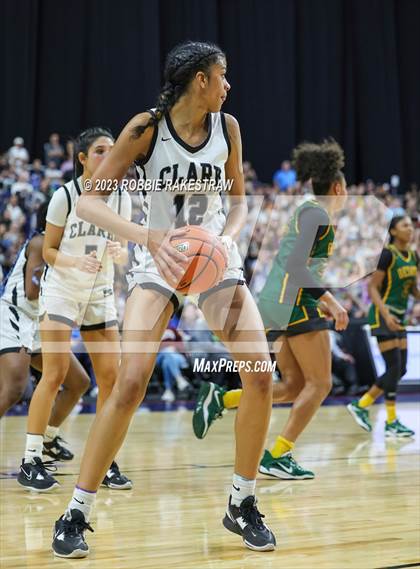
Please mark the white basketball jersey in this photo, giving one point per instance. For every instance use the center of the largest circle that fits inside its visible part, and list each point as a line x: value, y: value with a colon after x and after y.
x: 80, y: 238
x: 14, y: 291
x: 185, y: 182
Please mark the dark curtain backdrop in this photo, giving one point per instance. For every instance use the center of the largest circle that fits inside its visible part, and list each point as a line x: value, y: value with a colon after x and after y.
x: 299, y: 69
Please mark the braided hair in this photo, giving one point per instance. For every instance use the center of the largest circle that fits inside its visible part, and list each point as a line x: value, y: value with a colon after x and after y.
x: 41, y: 216
x: 321, y: 163
x: 83, y: 142
x: 182, y: 64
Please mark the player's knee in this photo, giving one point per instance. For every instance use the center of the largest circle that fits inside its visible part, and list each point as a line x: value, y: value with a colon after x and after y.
x: 14, y: 393
x: 78, y: 384
x: 292, y: 391
x: 131, y: 390
x: 326, y: 386
x: 262, y: 384
x: 107, y: 378
x: 54, y: 379
x: 321, y: 386
x: 83, y: 383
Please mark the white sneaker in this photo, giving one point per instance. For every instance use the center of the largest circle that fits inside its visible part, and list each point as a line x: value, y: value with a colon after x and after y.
x: 168, y: 396
x: 181, y: 383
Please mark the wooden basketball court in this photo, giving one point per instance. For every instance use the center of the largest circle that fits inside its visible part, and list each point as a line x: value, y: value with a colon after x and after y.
x: 361, y: 511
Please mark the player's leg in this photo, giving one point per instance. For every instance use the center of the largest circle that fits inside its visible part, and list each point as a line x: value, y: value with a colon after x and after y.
x: 75, y: 385
x: 146, y: 317
x: 55, y: 338
x: 213, y: 399
x: 105, y: 364
x: 309, y: 348
x: 279, y: 462
x: 241, y: 327
x: 389, y: 346
x: 393, y: 427
x: 14, y: 374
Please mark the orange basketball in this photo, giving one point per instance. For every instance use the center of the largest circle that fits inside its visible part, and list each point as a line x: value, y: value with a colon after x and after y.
x: 207, y: 259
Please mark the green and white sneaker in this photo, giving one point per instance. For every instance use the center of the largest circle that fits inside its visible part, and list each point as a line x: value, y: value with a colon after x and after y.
x: 360, y: 415
x: 398, y: 430
x: 209, y: 407
x: 285, y: 467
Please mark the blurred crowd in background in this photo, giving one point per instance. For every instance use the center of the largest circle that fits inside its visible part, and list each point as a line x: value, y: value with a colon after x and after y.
x: 26, y: 182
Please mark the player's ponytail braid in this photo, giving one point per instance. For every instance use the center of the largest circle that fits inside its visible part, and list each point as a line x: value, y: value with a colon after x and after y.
x: 181, y: 66
x: 82, y: 144
x: 320, y: 163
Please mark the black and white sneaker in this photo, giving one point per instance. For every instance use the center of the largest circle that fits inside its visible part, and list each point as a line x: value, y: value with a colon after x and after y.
x: 246, y: 521
x: 69, y: 538
x: 115, y: 480
x: 34, y: 476
x: 56, y: 450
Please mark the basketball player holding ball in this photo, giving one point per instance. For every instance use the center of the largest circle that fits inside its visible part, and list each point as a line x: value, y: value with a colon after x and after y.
x: 185, y: 137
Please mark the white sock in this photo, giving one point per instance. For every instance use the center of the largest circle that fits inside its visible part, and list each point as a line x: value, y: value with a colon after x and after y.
x: 82, y: 500
x: 51, y: 432
x: 241, y: 489
x: 34, y: 444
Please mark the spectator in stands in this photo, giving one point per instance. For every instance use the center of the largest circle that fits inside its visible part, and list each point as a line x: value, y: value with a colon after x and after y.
x: 53, y: 173
x: 285, y: 178
x: 67, y: 165
x: 18, y: 156
x: 414, y: 319
x: 53, y: 151
x: 14, y: 213
x: 36, y: 174
x: 172, y: 362
x: 22, y: 185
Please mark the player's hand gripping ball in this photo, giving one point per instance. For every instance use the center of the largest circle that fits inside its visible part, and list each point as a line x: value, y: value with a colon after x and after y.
x: 207, y: 259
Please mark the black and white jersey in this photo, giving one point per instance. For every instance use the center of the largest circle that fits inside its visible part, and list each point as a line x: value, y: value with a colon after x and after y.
x: 80, y: 238
x: 14, y: 290
x: 183, y: 184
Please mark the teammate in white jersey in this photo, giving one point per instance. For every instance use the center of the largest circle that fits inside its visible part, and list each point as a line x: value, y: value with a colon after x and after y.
x: 20, y: 345
x: 76, y: 290
x: 186, y: 137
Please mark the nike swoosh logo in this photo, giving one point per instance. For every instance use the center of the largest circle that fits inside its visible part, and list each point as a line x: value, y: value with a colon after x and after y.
x: 59, y: 535
x: 288, y: 469
x: 28, y: 476
x: 165, y: 139
x: 78, y: 501
x: 237, y: 489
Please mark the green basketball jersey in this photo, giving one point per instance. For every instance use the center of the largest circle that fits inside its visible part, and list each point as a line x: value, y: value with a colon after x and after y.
x: 399, y: 280
x: 278, y: 287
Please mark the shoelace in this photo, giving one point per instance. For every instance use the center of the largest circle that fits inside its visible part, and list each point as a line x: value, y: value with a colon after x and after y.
x: 60, y: 440
x: 250, y: 513
x: 294, y: 463
x: 76, y: 527
x: 45, y: 466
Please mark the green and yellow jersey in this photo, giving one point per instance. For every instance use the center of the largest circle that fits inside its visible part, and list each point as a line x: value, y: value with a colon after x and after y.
x: 290, y: 294
x: 400, y: 269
